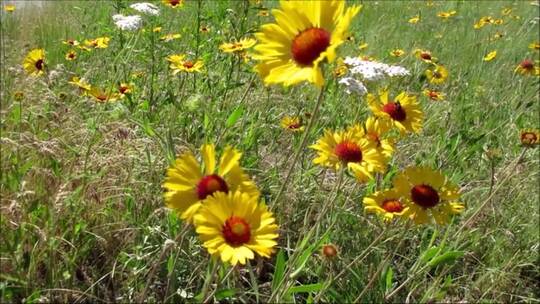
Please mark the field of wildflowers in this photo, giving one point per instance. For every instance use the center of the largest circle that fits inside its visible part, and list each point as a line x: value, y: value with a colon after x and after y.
x: 270, y: 151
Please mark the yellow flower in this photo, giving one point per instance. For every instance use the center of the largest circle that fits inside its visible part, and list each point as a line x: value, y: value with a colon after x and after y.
x: 427, y: 194
x: 498, y: 35
x: 70, y: 42
x: 204, y: 29
x: 305, y: 35
x: 535, y: 46
x: 351, y: 149
x: 187, y: 66
x: 157, y: 29
x: 341, y: 68
x: 18, y: 95
x: 239, y: 46
x: 71, y: 55
x: 173, y: 3
x: 530, y: 137
x: 527, y: 67
x: 415, y: 19
x: 125, y: 89
x: 404, y: 112
x: 434, y: 95
x: 83, y: 86
x: 490, y: 56
x: 446, y: 15
x: 98, y: 43
x: 263, y: 13
x: 425, y: 56
x: 9, y: 8
x: 292, y: 123
x: 506, y: 11
x: 397, y: 52
x: 188, y: 185
x: 437, y: 75
x: 376, y: 130
x: 169, y: 37
x: 479, y: 24
x: 234, y: 226
x: 34, y: 62
x: 387, y: 204
x: 102, y: 96
x: 498, y: 21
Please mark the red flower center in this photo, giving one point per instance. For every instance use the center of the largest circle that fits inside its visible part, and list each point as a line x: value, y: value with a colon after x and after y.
x: 210, y: 184
x: 348, y: 152
x: 392, y: 206
x: 123, y: 89
x: 425, y: 56
x: 236, y: 231
x: 188, y: 64
x: 527, y: 64
x: 395, y: 110
x: 295, y: 126
x: 71, y: 55
x: 425, y: 196
x: 329, y: 251
x: 433, y: 95
x: 101, y: 97
x: 528, y: 138
x: 309, y: 44
x: 39, y: 64
x: 174, y: 2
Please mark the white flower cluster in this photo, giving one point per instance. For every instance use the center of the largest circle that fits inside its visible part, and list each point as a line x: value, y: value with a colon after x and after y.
x: 127, y: 23
x: 145, y: 8
x: 369, y: 71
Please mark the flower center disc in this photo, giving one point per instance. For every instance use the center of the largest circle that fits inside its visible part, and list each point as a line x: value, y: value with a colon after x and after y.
x: 395, y: 110
x: 527, y: 64
x: 392, y: 206
x: 425, y: 56
x: 425, y: 196
x: 528, y: 137
x: 348, y: 152
x: 210, y: 184
x: 39, y: 64
x: 188, y: 64
x: 174, y: 2
x: 236, y: 231
x: 309, y: 44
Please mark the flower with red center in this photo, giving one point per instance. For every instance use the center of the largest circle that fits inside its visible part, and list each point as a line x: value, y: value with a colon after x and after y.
x: 173, y: 3
x: 98, y: 43
x: 178, y: 63
x: 71, y: 55
x: 235, y: 226
x: 350, y: 149
x: 404, y: 111
x: 243, y: 44
x: 329, y: 251
x: 125, y: 89
x: 71, y: 42
x: 102, y: 96
x: 528, y: 67
x: 438, y: 75
x: 306, y: 34
x: 427, y: 194
x: 529, y: 137
x: 434, y: 95
x: 397, y: 52
x: 292, y: 123
x: 34, y: 62
x: 425, y: 56
x: 387, y: 204
x: 188, y: 186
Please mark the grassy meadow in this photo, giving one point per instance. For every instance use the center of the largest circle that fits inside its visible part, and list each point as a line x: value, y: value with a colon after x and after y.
x: 83, y: 213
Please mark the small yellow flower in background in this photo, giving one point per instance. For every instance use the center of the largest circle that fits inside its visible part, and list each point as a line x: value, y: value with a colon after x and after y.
x: 103, y: 96
x: 527, y: 67
x: 404, y: 111
x: 414, y: 20
x: 71, y: 55
x: 292, y: 52
x: 263, y: 13
x: 234, y: 226
x: 169, y: 37
x: 341, y: 68
x: 446, y: 15
x: 506, y: 11
x: 70, y: 42
x: 157, y: 29
x: 350, y: 149
x: 498, y: 21
x: 98, y: 43
x: 10, y: 8
x: 84, y: 87
x: 498, y: 35
x: 189, y: 183
x: 125, y: 89
x: 363, y: 46
x: 428, y: 195
x: 434, y: 95
x: 438, y: 75
x: 535, y: 46
x: 490, y: 56
x: 424, y: 55
x: 243, y: 44
x: 329, y: 251
x: 18, y: 95
x: 529, y: 137
x: 204, y: 29
x: 397, y: 52
x: 387, y: 204
x: 34, y: 62
x: 292, y: 123
x: 173, y: 3
x: 187, y: 66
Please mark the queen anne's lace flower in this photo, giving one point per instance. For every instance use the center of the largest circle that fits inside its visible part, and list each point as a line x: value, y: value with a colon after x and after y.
x: 373, y: 70
x: 146, y: 8
x: 127, y: 23
x: 353, y: 85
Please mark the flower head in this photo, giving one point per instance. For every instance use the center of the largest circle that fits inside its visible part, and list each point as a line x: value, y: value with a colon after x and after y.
x: 127, y: 23
x: 404, y: 111
x: 125, y: 89
x: 446, y: 15
x: 71, y: 55
x: 351, y: 149
x: 353, y: 85
x: 98, y: 43
x: 376, y: 131
x: 145, y: 8
x: 34, y: 62
x: 188, y: 183
x: 173, y: 3
x: 530, y: 137
x: 292, y: 123
x: 427, y: 195
x: 10, y: 8
x: 71, y: 42
x: 425, y: 56
x: 84, y: 87
x: 243, y: 44
x: 387, y: 204
x: 434, y: 95
x: 397, y: 52
x: 306, y: 34
x: 372, y: 70
x: 414, y: 20
x: 102, y: 96
x: 535, y: 46
x: 438, y: 75
x: 235, y: 226
x: 527, y: 67
x: 329, y: 251
x: 169, y: 37
x: 178, y: 63
x: 490, y: 56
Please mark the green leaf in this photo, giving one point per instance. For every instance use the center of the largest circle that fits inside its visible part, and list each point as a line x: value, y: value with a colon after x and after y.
x: 447, y: 257
x: 429, y: 254
x: 388, y: 278
x: 305, y: 288
x: 279, y: 270
x: 224, y: 293
x: 235, y: 116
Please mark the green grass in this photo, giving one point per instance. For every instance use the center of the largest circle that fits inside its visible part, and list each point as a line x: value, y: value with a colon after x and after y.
x: 83, y: 217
